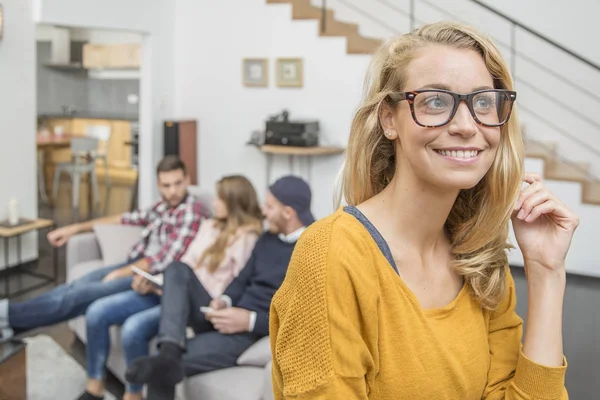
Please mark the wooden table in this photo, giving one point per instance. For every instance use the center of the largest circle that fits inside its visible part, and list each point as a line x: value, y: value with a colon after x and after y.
x: 47, y: 143
x: 295, y: 151
x: 13, y: 370
x: 8, y: 232
x: 53, y: 141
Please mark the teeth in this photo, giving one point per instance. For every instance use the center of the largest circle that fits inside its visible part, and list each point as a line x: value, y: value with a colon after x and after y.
x: 459, y: 154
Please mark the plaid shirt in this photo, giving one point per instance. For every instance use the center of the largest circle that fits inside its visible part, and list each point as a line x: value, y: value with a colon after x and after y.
x: 176, y: 228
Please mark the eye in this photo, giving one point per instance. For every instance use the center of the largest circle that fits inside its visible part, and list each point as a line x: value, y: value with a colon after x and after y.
x: 484, y: 102
x: 435, y: 101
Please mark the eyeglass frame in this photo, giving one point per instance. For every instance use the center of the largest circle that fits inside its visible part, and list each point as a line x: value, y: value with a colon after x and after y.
x: 458, y: 98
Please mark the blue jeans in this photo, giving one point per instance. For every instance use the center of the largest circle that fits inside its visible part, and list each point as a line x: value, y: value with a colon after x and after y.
x: 66, y: 301
x: 140, y: 317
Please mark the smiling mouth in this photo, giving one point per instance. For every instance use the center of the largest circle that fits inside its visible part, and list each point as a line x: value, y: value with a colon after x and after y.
x: 460, y: 154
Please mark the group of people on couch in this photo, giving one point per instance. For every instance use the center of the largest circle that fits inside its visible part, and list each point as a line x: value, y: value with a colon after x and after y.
x: 219, y: 272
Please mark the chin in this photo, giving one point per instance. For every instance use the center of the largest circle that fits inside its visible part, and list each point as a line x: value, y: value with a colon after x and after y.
x: 458, y: 180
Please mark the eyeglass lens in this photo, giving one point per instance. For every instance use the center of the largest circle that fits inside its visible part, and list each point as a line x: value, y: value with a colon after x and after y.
x: 435, y: 108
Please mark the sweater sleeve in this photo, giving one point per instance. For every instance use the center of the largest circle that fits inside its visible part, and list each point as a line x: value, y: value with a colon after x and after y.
x: 512, y: 376
x: 324, y: 321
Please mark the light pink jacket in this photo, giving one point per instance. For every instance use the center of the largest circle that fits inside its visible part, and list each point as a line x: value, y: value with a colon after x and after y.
x: 237, y: 253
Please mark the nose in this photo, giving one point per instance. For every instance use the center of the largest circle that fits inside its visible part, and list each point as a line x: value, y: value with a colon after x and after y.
x: 463, y: 122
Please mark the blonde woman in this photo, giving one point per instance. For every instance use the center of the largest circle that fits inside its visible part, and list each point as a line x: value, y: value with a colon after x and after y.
x: 217, y: 254
x: 405, y: 293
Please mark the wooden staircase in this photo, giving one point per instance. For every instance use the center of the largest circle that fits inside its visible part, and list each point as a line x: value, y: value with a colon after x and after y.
x: 355, y: 43
x: 559, y: 170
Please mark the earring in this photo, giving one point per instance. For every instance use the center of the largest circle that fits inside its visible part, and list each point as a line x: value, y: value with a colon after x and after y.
x: 388, y: 134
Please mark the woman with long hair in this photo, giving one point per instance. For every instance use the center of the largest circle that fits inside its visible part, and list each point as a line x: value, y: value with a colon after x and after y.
x: 217, y: 254
x: 405, y: 292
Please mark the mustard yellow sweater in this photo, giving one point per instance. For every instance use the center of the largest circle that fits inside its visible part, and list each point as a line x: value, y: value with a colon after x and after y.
x: 344, y: 326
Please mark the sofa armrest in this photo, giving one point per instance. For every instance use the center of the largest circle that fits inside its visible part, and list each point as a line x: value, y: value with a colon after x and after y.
x: 82, y: 247
x: 257, y: 355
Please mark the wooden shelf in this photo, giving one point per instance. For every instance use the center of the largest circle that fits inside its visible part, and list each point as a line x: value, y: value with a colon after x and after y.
x: 301, y: 151
x: 17, y: 230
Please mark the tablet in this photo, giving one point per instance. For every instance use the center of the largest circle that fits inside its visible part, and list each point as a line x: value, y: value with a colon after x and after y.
x: 156, y: 279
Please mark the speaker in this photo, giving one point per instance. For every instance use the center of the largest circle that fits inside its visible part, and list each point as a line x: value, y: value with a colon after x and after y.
x: 180, y: 140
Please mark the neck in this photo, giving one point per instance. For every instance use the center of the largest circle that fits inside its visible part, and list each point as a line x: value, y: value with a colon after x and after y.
x: 412, y: 213
x: 292, y: 226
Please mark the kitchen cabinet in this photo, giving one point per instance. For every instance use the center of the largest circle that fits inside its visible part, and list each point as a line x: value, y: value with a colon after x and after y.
x: 100, y: 56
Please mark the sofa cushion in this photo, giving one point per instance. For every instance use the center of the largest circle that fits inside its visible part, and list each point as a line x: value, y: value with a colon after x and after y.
x: 257, y: 355
x: 227, y: 384
x: 83, y: 268
x: 116, y: 241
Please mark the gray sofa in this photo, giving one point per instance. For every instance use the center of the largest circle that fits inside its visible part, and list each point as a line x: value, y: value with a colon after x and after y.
x: 249, y: 380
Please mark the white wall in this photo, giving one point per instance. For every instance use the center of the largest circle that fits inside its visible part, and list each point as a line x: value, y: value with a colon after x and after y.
x: 566, y: 22
x: 156, y: 84
x: 17, y: 118
x: 210, y: 43
x: 563, y: 22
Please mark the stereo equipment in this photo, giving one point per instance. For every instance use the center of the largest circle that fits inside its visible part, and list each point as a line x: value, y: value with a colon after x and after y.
x: 282, y: 131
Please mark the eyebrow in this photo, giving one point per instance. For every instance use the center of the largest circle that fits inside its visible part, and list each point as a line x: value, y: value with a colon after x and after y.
x: 446, y: 87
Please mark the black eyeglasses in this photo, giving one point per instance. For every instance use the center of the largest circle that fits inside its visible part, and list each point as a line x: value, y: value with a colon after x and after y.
x: 431, y: 108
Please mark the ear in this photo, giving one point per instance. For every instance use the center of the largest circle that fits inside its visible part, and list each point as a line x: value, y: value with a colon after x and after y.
x: 387, y: 120
x: 288, y: 213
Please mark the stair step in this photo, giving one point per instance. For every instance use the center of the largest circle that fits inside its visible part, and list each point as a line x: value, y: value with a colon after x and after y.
x: 558, y: 170
x: 334, y: 27
x: 544, y: 150
x: 361, y: 45
x: 591, y: 192
x: 356, y: 44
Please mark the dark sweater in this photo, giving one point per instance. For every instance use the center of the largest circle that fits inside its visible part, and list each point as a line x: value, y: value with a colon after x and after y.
x: 262, y: 276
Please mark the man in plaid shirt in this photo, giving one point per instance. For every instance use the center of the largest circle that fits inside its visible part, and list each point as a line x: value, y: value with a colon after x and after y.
x: 170, y: 225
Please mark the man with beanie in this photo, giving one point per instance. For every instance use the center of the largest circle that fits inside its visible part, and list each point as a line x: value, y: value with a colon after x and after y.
x: 239, y: 317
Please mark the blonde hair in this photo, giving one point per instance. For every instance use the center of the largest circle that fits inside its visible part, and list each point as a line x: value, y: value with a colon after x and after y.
x: 478, y: 221
x: 243, y: 212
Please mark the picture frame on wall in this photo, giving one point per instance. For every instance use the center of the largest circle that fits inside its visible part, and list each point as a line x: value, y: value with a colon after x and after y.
x: 290, y: 72
x: 255, y: 72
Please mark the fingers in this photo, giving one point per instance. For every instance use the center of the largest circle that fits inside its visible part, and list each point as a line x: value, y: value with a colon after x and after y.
x: 529, y: 191
x: 222, y: 328
x: 559, y: 213
x: 533, y: 200
x: 223, y: 325
x: 532, y: 177
x: 146, y: 286
x: 217, y: 304
x: 546, y: 207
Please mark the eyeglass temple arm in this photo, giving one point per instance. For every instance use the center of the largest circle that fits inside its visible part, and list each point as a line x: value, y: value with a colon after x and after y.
x: 396, y: 97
